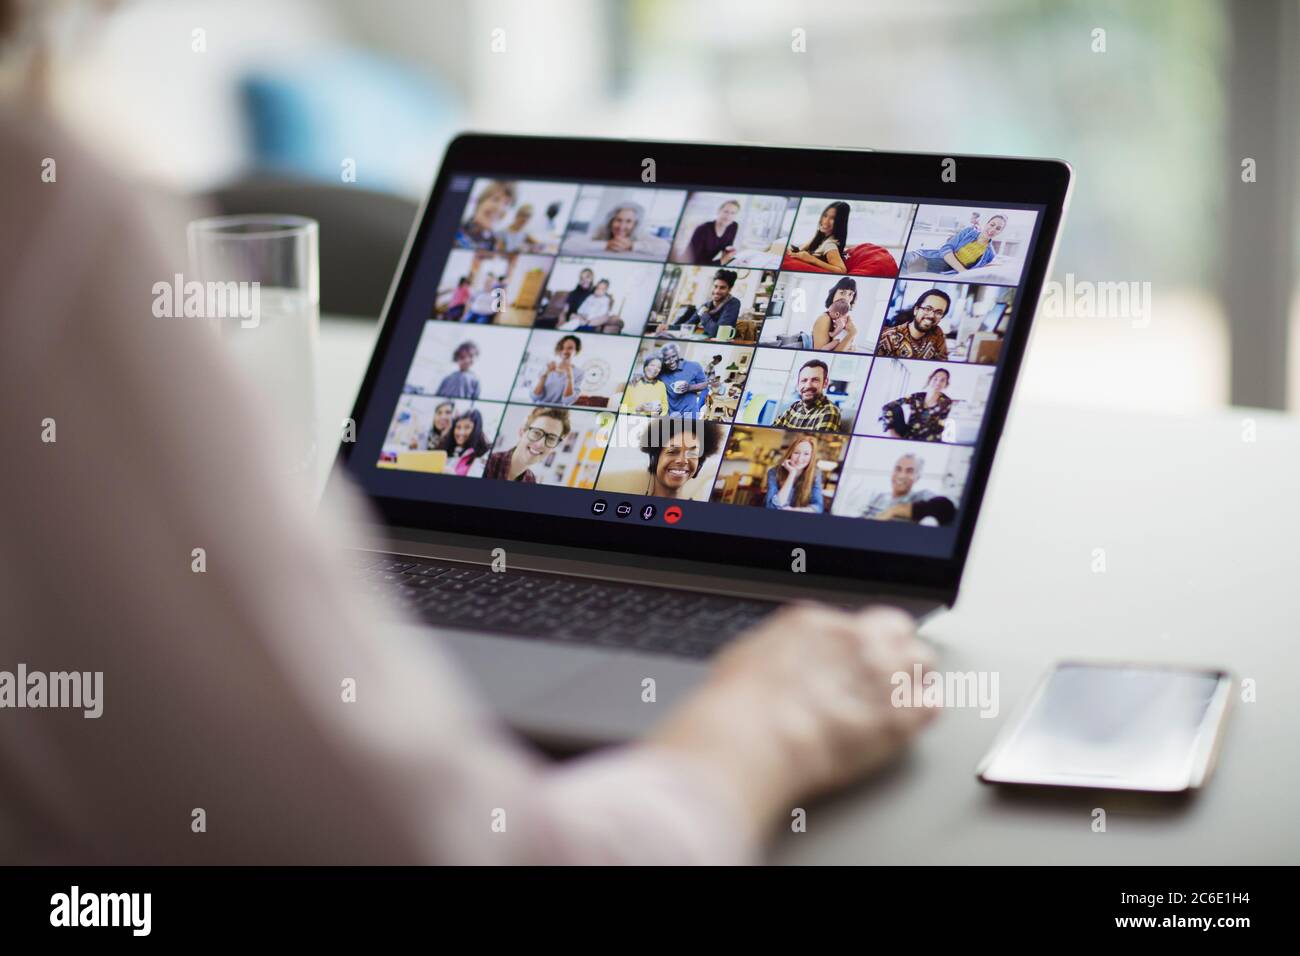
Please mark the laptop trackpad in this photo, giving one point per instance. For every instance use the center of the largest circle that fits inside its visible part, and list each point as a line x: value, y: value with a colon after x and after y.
x: 627, y: 695
x: 511, y: 673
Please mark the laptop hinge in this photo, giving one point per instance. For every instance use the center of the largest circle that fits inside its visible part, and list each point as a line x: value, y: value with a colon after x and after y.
x: 661, y: 572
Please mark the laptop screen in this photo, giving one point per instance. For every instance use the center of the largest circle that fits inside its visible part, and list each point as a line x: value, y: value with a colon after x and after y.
x: 788, y: 366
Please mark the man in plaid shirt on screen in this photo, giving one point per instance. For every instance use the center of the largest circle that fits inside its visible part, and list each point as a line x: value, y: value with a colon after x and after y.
x: 813, y: 411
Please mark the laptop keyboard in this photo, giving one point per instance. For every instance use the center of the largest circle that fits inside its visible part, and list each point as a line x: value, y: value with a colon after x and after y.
x: 555, y: 607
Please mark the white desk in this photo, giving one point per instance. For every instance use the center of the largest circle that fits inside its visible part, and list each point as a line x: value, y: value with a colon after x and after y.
x: 1200, y: 531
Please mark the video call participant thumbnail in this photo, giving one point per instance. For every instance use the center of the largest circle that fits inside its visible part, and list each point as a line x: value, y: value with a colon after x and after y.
x: 466, y: 444
x: 486, y: 215
x: 918, y: 334
x: 646, y: 393
x: 577, y: 369
x: 462, y: 383
x: 629, y: 223
x: 904, y: 501
x: 920, y: 416
x: 451, y: 361
x: 828, y: 246
x: 968, y: 248
x: 558, y: 383
x: 909, y: 482
x: 540, y: 434
x: 516, y: 216
x: 686, y: 382
x: 715, y: 241
x: 419, y: 424
x: 833, y: 330
x: 737, y: 230
x: 812, y: 410
x: 795, y: 483
x: 671, y: 458
x: 573, y: 300
x: 595, y: 311
x: 780, y: 470
x: 621, y: 232
x: 826, y: 313
x: 721, y: 309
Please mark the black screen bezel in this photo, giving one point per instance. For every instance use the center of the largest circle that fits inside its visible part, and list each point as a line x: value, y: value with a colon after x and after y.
x: 796, y: 171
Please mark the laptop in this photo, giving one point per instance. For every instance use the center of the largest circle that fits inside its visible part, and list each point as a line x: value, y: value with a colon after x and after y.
x: 585, y: 508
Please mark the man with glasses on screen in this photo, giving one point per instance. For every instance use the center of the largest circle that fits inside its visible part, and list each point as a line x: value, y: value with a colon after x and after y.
x: 920, y: 337
x: 542, y: 432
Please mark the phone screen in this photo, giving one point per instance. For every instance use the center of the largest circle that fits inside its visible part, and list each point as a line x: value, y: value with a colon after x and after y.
x: 1120, y: 727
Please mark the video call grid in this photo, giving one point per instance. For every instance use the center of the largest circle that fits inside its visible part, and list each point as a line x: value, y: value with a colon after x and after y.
x: 845, y: 437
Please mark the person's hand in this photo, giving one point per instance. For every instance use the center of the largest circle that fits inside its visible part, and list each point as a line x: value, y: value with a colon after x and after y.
x: 550, y: 367
x: 679, y: 387
x: 895, y: 512
x: 791, y: 469
x: 802, y: 704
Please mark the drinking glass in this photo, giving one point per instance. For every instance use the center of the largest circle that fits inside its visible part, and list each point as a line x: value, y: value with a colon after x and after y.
x: 262, y: 274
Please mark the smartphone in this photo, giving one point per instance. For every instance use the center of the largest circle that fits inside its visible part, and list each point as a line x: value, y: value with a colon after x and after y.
x: 1114, y: 726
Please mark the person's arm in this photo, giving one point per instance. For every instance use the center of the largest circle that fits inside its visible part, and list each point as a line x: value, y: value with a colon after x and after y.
x: 730, y: 314
x: 228, y: 691
x: 661, y: 395
x: 834, y: 261
x: 847, y: 336
x: 699, y: 244
x: 257, y: 691
x: 637, y: 399
x: 807, y: 257
x: 728, y: 250
x: 948, y: 251
x: 821, y: 332
x: 816, y: 498
x: 654, y: 246
x: 570, y: 394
